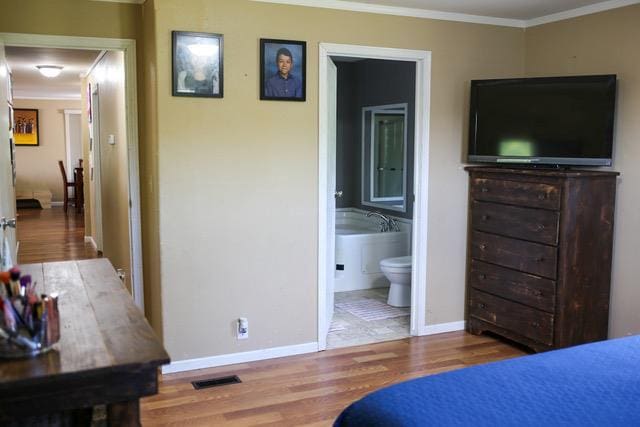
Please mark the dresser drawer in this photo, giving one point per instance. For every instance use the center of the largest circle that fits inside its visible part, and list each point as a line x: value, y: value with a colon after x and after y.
x: 513, y: 285
x: 537, y: 225
x: 521, y: 193
x: 529, y: 322
x: 528, y: 257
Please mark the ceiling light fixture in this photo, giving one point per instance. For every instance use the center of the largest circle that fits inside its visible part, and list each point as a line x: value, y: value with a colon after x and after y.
x: 49, y: 70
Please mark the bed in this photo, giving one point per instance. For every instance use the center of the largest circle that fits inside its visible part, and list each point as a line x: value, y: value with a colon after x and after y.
x: 594, y: 384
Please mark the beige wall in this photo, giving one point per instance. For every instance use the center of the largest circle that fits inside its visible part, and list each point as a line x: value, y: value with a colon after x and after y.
x: 70, y: 17
x: 37, y: 167
x: 108, y: 77
x: 238, y: 177
x: 606, y: 43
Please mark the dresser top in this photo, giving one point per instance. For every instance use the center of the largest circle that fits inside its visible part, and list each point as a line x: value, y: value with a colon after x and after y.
x: 561, y: 173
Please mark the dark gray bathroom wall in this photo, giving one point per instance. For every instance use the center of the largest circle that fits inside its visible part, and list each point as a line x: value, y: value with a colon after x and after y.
x: 364, y: 84
x: 347, y: 143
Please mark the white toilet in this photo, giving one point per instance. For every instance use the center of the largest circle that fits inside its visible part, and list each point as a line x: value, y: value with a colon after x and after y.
x: 398, y: 271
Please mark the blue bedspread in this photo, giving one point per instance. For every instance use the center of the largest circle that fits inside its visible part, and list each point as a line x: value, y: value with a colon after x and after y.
x: 589, y: 385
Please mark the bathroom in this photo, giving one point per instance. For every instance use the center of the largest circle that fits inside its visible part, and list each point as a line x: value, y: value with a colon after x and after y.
x: 374, y: 203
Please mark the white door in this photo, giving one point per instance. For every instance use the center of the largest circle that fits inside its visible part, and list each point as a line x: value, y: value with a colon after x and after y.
x: 94, y: 166
x: 332, y: 86
x: 7, y: 192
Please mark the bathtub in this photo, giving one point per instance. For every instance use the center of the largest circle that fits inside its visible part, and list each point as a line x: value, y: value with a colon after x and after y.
x: 360, y: 246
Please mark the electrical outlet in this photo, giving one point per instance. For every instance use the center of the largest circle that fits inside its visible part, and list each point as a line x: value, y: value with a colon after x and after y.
x: 243, y: 328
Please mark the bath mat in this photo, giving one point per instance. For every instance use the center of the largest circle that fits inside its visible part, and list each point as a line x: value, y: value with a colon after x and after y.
x: 370, y: 309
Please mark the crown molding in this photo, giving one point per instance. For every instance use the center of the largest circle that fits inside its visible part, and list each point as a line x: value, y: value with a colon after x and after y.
x: 457, y: 17
x: 401, y: 11
x: 48, y: 98
x: 123, y: 1
x: 581, y: 11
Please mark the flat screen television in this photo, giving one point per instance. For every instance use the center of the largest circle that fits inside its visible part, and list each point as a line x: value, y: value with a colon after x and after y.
x: 547, y: 121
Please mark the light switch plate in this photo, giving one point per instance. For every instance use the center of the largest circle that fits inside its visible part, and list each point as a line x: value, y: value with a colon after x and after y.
x: 112, y: 139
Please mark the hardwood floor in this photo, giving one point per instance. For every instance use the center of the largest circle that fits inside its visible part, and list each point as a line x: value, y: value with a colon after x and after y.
x: 51, y: 235
x: 312, y: 389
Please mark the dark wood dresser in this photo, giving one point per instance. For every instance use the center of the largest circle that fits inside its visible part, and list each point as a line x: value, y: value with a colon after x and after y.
x: 539, y: 259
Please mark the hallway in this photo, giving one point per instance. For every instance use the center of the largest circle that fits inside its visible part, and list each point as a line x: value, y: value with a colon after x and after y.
x: 51, y: 235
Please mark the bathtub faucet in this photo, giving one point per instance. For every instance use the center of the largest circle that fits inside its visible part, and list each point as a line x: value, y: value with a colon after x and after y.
x: 386, y: 223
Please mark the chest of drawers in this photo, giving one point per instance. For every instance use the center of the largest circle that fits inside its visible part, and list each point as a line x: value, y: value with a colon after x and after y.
x: 539, y: 258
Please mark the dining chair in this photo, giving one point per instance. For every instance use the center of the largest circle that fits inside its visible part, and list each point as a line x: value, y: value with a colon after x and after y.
x: 65, y: 185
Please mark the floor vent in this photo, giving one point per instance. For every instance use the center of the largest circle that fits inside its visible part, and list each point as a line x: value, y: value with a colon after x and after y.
x: 215, y: 382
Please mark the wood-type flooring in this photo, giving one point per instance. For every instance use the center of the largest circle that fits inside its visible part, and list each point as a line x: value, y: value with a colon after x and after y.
x: 51, y: 235
x: 312, y: 389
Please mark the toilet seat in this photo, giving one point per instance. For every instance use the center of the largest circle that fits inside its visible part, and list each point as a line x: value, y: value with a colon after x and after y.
x: 399, y: 262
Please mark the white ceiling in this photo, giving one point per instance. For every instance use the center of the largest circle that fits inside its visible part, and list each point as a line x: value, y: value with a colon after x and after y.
x: 513, y: 13
x: 28, y: 83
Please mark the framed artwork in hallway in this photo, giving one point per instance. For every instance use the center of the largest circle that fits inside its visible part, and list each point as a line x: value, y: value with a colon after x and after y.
x: 25, y: 127
x: 283, y: 70
x: 197, y: 64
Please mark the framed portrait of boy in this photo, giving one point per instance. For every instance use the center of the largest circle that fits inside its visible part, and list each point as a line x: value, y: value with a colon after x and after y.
x: 197, y: 64
x: 283, y: 70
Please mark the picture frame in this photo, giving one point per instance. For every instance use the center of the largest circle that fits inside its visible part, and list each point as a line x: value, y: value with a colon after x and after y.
x: 283, y: 70
x: 26, y: 127
x: 197, y: 64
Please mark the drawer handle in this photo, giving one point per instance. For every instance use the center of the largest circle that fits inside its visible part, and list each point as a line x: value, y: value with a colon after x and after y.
x: 542, y: 196
x: 482, y: 246
x: 481, y: 305
x: 540, y: 227
x: 482, y: 276
x: 540, y: 259
x: 537, y: 293
x: 535, y: 324
x: 484, y: 189
x: 485, y: 217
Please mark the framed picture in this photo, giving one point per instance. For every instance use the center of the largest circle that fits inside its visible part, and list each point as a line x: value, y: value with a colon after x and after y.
x: 25, y: 127
x: 283, y: 70
x: 197, y: 64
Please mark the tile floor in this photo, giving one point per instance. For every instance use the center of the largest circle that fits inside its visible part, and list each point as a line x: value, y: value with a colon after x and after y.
x: 349, y: 330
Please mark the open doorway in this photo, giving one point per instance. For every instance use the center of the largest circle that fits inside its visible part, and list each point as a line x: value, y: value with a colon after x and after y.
x: 46, y: 87
x: 394, y: 192
x: 113, y: 71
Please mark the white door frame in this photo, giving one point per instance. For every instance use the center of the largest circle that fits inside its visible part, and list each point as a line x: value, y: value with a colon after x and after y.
x: 67, y: 140
x: 422, y: 60
x: 95, y: 165
x: 128, y: 47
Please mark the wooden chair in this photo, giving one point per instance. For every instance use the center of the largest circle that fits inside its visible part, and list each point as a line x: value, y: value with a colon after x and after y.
x: 65, y: 185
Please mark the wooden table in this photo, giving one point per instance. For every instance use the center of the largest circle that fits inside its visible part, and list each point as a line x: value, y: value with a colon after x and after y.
x: 107, y: 354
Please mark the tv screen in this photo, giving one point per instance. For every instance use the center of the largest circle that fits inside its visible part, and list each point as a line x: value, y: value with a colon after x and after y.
x: 549, y: 120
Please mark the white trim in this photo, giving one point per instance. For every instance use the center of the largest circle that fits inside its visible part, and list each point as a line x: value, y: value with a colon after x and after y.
x: 48, y: 98
x: 95, y: 165
x: 128, y: 46
x: 441, y: 328
x: 233, y: 358
x: 402, y: 11
x: 123, y: 1
x: 456, y: 17
x: 421, y: 172
x: 57, y: 203
x: 67, y: 141
x: 89, y: 239
x: 94, y: 64
x: 581, y: 11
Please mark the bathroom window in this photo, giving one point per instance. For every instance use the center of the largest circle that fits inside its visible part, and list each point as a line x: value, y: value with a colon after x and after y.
x: 384, y: 156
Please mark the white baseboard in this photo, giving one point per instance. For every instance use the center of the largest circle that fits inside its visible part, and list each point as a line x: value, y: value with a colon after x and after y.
x: 57, y: 203
x: 233, y: 358
x: 89, y: 239
x: 441, y: 328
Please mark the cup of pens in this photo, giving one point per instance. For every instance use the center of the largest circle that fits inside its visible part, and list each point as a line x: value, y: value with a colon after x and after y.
x: 29, y: 322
